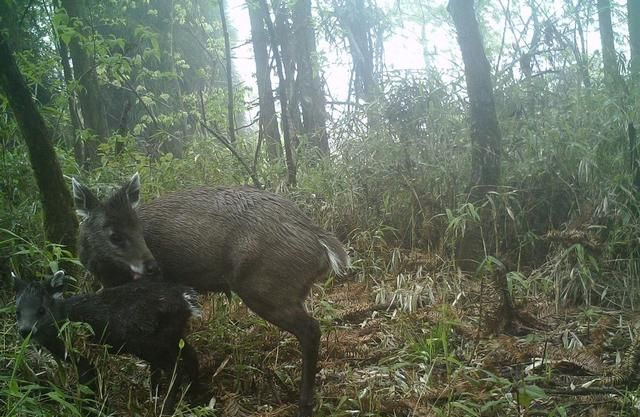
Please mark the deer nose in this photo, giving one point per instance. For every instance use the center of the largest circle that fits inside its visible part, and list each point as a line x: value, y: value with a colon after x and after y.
x: 24, y: 332
x: 151, y: 268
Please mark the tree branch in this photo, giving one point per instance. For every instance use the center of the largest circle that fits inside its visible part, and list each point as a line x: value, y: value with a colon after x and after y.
x: 252, y: 172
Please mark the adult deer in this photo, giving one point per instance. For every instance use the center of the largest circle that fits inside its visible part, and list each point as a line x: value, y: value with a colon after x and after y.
x: 254, y: 243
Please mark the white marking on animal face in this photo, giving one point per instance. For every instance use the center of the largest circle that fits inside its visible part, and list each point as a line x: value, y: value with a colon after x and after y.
x: 137, y: 270
x: 192, y: 300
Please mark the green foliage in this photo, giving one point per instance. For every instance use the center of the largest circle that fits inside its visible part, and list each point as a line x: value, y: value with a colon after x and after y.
x: 400, y: 186
x: 434, y: 346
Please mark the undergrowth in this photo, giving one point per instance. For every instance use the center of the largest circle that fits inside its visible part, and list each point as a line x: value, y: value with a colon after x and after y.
x: 405, y: 333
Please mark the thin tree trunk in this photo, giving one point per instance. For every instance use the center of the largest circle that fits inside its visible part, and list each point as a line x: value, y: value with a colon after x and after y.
x: 60, y: 223
x: 91, y: 104
x: 286, y: 43
x: 485, y: 137
x: 227, y: 52
x: 266, y: 102
x: 581, y: 53
x: 633, y: 22
x: 288, y: 145
x: 485, y: 132
x: 308, y: 82
x: 175, y: 145
x: 613, y: 80
x: 609, y: 57
x: 358, y: 27
x: 78, y: 146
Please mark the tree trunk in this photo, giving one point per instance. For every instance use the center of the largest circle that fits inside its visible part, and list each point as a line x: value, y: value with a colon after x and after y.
x: 174, y: 142
x: 485, y: 137
x: 580, y: 51
x: 91, y: 104
x: 356, y: 22
x: 16, y: 18
x: 612, y: 78
x: 267, y: 118
x: 633, y: 22
x: 285, y: 43
x: 78, y: 146
x: 308, y: 82
x: 357, y: 26
x: 609, y: 57
x: 60, y: 224
x: 289, y: 150
x: 227, y: 52
x: 485, y: 132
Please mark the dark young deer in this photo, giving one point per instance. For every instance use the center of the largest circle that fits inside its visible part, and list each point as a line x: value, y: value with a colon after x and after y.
x: 252, y: 242
x: 144, y: 318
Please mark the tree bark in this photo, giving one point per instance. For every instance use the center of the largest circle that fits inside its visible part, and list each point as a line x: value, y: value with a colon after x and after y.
x: 227, y: 52
x: 633, y: 22
x: 284, y: 42
x: 609, y: 57
x: 174, y: 142
x: 77, y: 145
x: 284, y: 99
x: 356, y: 21
x: 613, y: 80
x: 84, y: 70
x: 60, y: 223
x: 485, y: 136
x: 308, y: 82
x: 268, y: 119
x: 485, y: 132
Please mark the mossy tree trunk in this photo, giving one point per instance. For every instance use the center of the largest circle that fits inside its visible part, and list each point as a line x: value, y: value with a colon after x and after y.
x: 60, y: 223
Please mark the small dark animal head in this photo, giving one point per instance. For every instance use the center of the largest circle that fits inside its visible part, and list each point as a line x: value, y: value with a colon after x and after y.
x: 36, y: 307
x: 111, y: 233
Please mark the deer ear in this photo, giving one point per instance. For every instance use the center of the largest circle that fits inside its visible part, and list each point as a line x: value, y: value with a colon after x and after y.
x: 18, y: 283
x: 56, y: 284
x: 84, y: 199
x: 133, y: 190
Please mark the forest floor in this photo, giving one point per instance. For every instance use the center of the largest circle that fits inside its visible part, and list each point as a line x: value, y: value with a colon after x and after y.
x: 381, y: 360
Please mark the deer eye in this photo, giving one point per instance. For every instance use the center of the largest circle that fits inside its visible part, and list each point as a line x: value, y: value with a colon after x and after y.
x: 41, y: 311
x: 116, y: 238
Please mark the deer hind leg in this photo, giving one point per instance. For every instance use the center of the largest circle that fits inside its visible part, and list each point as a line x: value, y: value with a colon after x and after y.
x: 290, y: 315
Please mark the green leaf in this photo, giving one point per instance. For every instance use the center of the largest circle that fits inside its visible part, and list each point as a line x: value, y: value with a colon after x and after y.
x: 529, y: 393
x: 65, y: 36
